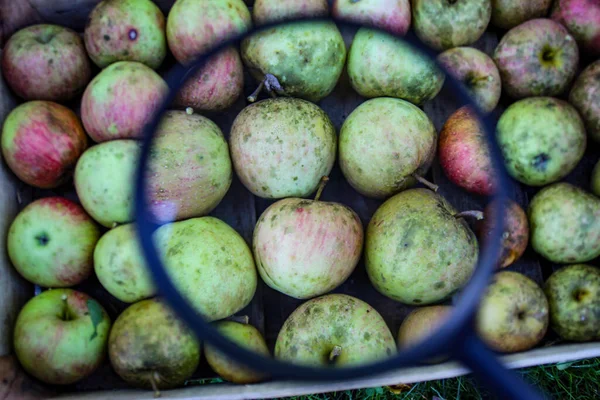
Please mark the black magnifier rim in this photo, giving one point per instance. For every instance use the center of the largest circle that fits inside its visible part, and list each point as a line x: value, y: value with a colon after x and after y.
x: 443, y: 341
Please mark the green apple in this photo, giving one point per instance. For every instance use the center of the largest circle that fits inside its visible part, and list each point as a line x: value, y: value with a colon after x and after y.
x: 245, y: 335
x: 104, y: 181
x: 513, y: 314
x: 149, y: 347
x: 51, y: 242
x: 334, y: 330
x: 574, y: 296
x: 60, y: 336
x: 121, y: 267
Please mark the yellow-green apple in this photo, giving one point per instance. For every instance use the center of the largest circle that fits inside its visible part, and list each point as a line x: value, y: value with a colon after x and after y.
x: 104, y: 181
x: 51, y: 242
x: 271, y: 11
x: 393, y: 16
x: 585, y: 97
x: 41, y: 143
x: 536, y: 58
x: 420, y: 324
x: 60, y: 336
x: 282, y: 147
x: 46, y: 62
x: 513, y: 314
x: 385, y: 146
x: 306, y: 248
x: 126, y: 30
x: 573, y: 293
x: 507, y: 14
x: 246, y: 336
x: 443, y: 24
x: 150, y: 347
x: 582, y: 19
x: 334, y: 330
x: 477, y: 71
x: 121, y: 100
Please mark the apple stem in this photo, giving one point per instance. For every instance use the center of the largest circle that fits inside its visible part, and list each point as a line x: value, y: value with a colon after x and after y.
x: 335, y: 353
x: 244, y: 319
x: 270, y: 83
x: 322, y: 184
x: 254, y: 95
x: 478, y: 215
x: 425, y: 182
x: 153, y: 378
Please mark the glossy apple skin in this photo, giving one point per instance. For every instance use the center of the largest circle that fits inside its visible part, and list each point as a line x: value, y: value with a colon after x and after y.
x: 585, y: 97
x: 126, y: 30
x: 46, y: 62
x: 51, y: 242
x: 306, y: 248
x: 394, y: 16
x: 537, y: 58
x: 515, y: 235
x: 464, y: 153
x: 477, y: 71
x: 121, y: 100
x: 55, y: 339
x: 513, y: 315
x: 443, y: 24
x: 246, y: 336
x: 271, y: 11
x: 311, y: 332
x: 574, y: 296
x: 41, y: 143
x: 507, y: 14
x: 582, y: 19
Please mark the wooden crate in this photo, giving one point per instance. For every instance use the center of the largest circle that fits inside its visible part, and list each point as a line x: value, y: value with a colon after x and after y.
x: 240, y: 209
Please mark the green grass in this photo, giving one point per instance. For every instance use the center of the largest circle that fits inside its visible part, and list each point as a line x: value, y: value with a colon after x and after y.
x: 569, y: 381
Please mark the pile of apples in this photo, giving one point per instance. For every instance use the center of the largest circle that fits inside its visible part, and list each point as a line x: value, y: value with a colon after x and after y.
x: 418, y: 249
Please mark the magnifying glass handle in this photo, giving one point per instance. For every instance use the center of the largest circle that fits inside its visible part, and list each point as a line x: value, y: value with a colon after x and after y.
x: 486, y: 368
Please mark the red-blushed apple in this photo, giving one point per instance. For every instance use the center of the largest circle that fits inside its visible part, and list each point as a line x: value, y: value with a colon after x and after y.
x: 216, y: 86
x: 190, y: 169
x: 126, y: 30
x: 420, y: 324
x: 536, y: 58
x: 246, y: 336
x: 394, y: 16
x: 121, y: 100
x: 335, y: 330
x: 464, y: 153
x: 41, y: 143
x: 513, y: 313
x: 515, y: 235
x: 507, y: 14
x: 104, y: 181
x: 585, y: 97
x: 596, y: 180
x: 193, y: 27
x: 573, y: 294
x: 270, y: 11
x: 443, y: 24
x: 582, y: 19
x: 150, y: 347
x: 61, y: 335
x: 306, y: 248
x: 46, y: 62
x: 477, y: 71
x: 51, y: 242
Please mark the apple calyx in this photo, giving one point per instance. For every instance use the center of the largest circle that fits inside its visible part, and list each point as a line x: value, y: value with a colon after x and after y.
x: 334, y: 354
x: 322, y: 184
x: 154, y: 377
x: 425, y: 182
x: 477, y: 215
x: 271, y: 84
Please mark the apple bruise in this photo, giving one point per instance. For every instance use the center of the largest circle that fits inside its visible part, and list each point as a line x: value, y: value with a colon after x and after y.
x: 56, y: 71
x: 336, y: 330
x: 513, y: 314
x: 537, y: 58
x: 41, y: 142
x: 126, y: 30
x: 120, y: 100
x: 574, y: 303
